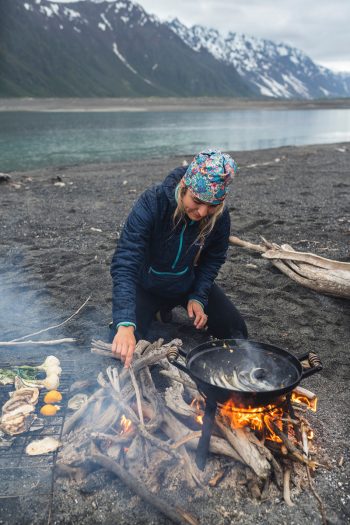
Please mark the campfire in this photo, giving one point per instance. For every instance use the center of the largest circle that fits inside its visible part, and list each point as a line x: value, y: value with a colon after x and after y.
x: 262, y: 419
x: 148, y: 433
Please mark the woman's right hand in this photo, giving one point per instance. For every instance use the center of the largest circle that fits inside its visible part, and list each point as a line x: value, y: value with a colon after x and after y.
x: 124, y: 344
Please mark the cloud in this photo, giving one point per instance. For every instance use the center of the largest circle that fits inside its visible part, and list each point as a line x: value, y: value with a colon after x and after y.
x: 318, y: 27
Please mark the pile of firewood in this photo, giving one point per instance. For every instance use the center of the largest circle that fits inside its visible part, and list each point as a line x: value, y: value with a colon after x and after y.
x: 146, y: 434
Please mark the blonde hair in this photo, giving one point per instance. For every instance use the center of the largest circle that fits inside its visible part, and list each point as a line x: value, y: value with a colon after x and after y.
x: 206, y: 224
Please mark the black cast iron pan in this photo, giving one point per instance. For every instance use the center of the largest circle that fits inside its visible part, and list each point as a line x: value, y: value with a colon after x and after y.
x: 281, y: 369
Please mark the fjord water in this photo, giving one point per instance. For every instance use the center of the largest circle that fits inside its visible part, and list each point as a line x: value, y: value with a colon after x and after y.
x: 30, y: 140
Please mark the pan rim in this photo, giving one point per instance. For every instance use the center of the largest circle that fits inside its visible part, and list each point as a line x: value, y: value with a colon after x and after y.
x: 218, y: 344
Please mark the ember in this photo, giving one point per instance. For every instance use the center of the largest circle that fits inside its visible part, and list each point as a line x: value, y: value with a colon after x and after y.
x: 125, y: 424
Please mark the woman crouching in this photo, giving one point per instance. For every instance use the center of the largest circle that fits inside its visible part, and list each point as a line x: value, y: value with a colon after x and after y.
x: 170, y: 251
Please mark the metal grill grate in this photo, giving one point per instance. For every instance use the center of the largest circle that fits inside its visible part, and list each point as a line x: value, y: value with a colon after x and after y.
x: 20, y: 474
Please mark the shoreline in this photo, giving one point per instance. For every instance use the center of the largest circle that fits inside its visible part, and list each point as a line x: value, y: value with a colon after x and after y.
x: 163, y: 104
x: 114, y: 164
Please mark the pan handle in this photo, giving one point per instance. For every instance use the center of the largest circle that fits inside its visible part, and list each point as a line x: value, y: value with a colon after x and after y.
x: 172, y: 358
x: 174, y: 353
x: 315, y: 364
x: 182, y: 352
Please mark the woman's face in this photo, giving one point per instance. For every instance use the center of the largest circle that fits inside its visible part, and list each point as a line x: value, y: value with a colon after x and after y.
x: 196, y: 209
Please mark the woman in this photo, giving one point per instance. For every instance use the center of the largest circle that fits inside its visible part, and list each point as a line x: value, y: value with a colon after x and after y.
x: 171, y: 249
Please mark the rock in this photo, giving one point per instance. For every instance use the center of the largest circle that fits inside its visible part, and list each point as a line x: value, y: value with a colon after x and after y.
x: 4, y: 178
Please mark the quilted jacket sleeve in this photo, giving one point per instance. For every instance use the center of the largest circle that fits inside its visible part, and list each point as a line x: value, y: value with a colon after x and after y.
x: 129, y: 255
x: 211, y: 259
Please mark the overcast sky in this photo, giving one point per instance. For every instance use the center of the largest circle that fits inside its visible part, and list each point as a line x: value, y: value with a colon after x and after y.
x: 320, y: 28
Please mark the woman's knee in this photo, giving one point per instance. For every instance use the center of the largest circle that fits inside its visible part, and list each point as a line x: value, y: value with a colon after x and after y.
x: 224, y: 319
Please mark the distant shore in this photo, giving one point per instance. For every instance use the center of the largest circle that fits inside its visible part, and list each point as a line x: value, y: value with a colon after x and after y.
x: 163, y: 104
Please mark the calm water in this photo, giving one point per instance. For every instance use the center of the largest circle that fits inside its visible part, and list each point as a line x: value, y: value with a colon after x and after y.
x: 34, y: 140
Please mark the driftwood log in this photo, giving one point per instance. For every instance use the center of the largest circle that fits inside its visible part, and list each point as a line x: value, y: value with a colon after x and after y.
x: 312, y: 271
x: 147, y: 435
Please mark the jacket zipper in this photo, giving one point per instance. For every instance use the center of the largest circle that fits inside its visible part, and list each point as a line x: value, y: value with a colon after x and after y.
x: 180, y: 247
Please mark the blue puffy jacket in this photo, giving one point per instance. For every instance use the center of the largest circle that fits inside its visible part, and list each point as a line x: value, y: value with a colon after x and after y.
x: 160, y: 258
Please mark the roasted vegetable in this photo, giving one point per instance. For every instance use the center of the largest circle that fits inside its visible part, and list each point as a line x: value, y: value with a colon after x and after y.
x: 43, y: 446
x: 49, y: 362
x: 31, y: 373
x: 17, y: 406
x: 28, y: 395
x: 49, y: 410
x: 14, y: 424
x: 50, y: 382
x: 77, y: 401
x: 7, y: 375
x: 53, y: 396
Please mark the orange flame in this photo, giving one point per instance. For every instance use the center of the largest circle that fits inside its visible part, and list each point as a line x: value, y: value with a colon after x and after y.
x: 259, y: 418
x: 125, y: 424
x: 303, y: 400
x: 199, y: 409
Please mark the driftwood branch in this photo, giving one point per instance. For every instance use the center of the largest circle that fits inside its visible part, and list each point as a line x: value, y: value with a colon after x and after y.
x: 51, y: 342
x: 248, y: 452
x: 54, y: 326
x: 286, y: 487
x: 312, y: 271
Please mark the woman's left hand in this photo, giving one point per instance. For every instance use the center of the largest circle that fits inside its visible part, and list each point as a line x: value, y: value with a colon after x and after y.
x: 195, y: 310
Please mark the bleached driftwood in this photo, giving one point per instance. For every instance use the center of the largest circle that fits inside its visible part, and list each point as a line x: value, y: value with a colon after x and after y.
x: 20, y: 341
x: 56, y: 325
x: 51, y: 342
x: 312, y: 271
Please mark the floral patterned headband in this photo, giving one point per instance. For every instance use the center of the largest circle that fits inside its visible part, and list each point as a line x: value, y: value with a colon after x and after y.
x: 209, y: 175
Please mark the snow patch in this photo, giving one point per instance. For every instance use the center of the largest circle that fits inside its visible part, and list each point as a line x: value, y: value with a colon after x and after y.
x: 297, y: 85
x: 142, y: 20
x: 102, y: 26
x: 48, y: 11
x: 120, y: 5
x: 154, y: 67
x: 103, y: 16
x: 282, y: 51
x: 77, y: 29
x: 276, y: 89
x: 28, y: 7
x: 125, y: 19
x: 72, y: 15
x: 123, y: 59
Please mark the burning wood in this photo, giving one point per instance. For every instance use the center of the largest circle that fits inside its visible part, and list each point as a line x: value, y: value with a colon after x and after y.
x: 144, y: 434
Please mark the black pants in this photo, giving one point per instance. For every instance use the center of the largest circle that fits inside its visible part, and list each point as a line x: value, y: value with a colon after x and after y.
x: 224, y: 320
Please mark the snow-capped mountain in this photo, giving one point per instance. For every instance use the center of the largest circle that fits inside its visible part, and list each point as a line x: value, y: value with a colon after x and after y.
x: 272, y: 70
x: 110, y: 48
x: 115, y: 48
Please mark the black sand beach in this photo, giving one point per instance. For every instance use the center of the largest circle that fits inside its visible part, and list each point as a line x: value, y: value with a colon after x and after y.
x: 58, y: 233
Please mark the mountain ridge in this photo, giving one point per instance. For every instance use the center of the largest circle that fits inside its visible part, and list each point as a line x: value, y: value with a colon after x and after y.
x: 116, y: 49
x: 271, y: 69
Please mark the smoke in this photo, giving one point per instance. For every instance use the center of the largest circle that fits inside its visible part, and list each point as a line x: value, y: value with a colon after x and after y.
x: 24, y: 307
